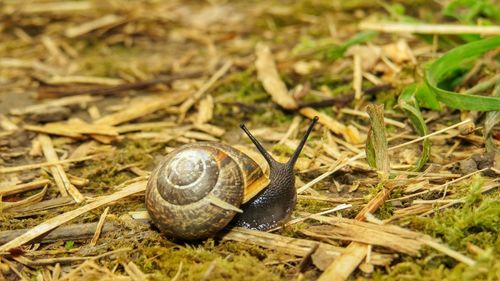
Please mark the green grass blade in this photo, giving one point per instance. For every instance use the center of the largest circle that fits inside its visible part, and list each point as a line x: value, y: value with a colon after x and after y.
x: 426, y: 97
x: 409, y: 105
x: 454, y: 60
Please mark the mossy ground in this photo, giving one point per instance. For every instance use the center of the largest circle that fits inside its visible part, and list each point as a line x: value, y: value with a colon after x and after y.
x: 296, y: 30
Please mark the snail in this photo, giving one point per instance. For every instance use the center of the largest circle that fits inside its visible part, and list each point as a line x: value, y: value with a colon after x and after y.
x: 200, y: 188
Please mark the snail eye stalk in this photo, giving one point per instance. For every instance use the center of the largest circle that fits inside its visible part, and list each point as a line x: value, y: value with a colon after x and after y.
x: 296, y: 154
x: 297, y: 151
x: 257, y: 144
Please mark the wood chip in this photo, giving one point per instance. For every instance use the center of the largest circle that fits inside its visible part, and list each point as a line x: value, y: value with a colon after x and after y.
x: 29, y: 64
x: 54, y: 50
x: 43, y: 206
x: 390, y: 236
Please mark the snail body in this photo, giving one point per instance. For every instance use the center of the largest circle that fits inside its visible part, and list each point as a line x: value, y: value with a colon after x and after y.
x: 200, y: 188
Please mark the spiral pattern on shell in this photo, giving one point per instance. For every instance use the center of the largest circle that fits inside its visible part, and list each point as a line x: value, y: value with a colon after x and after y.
x: 179, y: 189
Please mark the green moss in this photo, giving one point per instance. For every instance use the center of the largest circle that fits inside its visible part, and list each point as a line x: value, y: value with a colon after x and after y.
x: 282, y: 149
x: 196, y: 260
x: 436, y: 267
x: 240, y: 87
x: 111, y: 59
x: 476, y: 222
x: 109, y: 172
x: 313, y: 206
x: 385, y: 211
x: 373, y: 191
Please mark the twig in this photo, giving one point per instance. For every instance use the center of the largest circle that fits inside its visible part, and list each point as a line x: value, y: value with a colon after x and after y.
x: 52, y: 92
x: 100, y: 224
x: 297, y: 220
x: 69, y: 232
x: 5, y: 170
x: 394, y: 27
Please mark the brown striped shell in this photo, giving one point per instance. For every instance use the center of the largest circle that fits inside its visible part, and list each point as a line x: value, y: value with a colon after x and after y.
x: 183, y: 191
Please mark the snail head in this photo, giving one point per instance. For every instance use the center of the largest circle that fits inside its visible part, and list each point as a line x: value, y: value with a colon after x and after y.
x: 274, y: 204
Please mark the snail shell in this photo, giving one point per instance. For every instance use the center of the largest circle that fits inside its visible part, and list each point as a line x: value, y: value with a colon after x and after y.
x: 197, y: 189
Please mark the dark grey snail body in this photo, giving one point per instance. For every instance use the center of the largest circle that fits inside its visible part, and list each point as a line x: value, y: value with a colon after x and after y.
x: 199, y: 189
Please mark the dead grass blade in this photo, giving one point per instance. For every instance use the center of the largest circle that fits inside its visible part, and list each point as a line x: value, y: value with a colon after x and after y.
x: 56, y: 221
x: 60, y: 177
x: 9, y: 190
x: 147, y: 106
x: 397, y: 27
x: 5, y: 170
x: 270, y: 78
